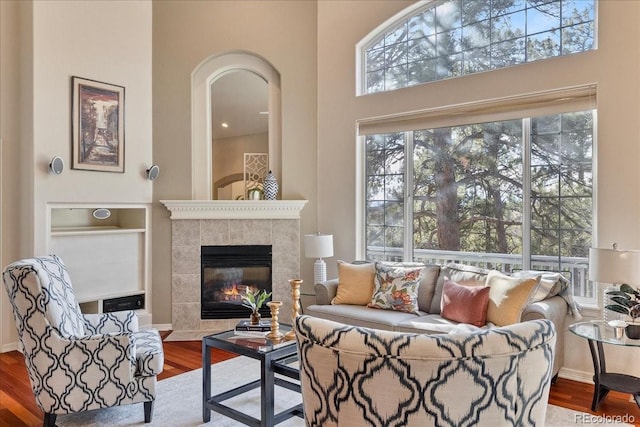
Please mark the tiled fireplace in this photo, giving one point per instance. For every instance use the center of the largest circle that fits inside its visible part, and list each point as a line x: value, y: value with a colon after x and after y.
x: 198, y: 223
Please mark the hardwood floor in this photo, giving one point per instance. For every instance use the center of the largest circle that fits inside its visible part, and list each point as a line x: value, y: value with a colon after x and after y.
x: 18, y: 407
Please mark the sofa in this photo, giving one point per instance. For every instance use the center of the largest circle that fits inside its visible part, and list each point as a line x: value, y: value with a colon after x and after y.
x: 360, y: 376
x: 545, y: 296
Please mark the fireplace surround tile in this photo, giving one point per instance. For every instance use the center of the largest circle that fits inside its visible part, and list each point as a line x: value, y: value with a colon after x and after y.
x: 186, y: 259
x: 186, y: 233
x: 215, y: 232
x: 204, y: 223
x: 185, y: 288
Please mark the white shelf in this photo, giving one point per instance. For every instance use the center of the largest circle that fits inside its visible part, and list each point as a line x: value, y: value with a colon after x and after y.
x: 74, y: 231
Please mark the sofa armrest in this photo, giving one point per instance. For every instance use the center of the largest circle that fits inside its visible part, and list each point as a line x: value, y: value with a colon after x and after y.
x: 554, y: 309
x: 326, y: 291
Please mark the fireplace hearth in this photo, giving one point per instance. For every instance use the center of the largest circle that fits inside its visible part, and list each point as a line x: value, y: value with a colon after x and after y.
x: 227, y: 272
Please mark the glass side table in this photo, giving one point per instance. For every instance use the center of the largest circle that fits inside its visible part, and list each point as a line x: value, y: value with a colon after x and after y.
x: 598, y: 332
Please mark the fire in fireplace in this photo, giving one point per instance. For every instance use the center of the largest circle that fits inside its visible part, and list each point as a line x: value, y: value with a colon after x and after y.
x: 227, y: 272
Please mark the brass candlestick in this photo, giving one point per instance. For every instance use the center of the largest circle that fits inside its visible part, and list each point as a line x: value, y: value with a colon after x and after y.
x: 275, y: 334
x: 295, y: 307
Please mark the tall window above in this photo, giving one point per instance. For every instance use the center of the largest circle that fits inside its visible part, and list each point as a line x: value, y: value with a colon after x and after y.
x: 451, y: 38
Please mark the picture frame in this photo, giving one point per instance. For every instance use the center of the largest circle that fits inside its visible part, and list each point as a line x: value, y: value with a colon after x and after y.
x: 97, y: 125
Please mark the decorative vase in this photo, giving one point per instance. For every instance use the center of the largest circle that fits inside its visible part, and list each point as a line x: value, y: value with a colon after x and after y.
x: 270, y: 187
x: 633, y: 331
x: 255, y: 317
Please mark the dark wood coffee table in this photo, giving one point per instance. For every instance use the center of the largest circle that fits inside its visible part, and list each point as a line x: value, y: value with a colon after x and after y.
x: 275, y: 358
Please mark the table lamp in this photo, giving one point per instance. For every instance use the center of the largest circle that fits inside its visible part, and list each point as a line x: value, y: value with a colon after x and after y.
x: 614, y: 266
x: 318, y: 246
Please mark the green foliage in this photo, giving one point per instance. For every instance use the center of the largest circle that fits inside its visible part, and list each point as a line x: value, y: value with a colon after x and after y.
x: 627, y: 301
x: 255, y: 299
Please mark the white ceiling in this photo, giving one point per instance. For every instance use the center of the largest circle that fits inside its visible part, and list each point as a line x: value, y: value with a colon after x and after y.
x: 237, y: 98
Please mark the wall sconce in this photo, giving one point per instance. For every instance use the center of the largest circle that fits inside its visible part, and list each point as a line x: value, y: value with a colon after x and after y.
x: 56, y: 166
x: 153, y: 172
x: 318, y: 246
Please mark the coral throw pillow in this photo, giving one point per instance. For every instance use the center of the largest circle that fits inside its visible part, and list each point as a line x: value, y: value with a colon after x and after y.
x: 396, y: 288
x: 464, y: 304
x: 355, y: 283
x: 508, y: 297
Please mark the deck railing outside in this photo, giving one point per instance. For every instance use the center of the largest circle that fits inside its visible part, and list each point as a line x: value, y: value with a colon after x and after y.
x: 575, y: 269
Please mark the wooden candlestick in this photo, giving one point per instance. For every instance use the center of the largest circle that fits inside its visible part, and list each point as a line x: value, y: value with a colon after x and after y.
x: 295, y: 307
x: 275, y: 334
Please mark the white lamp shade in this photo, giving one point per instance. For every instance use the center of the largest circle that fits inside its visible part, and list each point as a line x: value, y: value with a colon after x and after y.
x: 614, y: 266
x: 318, y: 245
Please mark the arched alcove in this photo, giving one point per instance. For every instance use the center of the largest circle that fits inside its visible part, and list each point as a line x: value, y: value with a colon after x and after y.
x: 201, y: 131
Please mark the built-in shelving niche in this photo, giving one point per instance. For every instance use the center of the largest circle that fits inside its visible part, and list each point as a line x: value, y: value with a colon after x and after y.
x: 106, y: 258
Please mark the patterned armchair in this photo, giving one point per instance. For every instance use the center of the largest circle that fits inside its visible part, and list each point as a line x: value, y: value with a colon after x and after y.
x: 78, y: 362
x: 496, y: 377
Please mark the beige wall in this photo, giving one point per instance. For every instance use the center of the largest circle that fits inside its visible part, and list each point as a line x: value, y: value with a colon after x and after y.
x: 185, y: 34
x: 614, y: 67
x: 48, y: 42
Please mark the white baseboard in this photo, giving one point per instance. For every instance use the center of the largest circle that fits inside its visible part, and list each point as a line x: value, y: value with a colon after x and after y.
x: 9, y: 347
x: 575, y: 375
x: 163, y: 326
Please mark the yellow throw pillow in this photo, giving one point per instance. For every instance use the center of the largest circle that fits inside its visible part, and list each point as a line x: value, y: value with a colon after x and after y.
x: 508, y: 297
x: 355, y: 283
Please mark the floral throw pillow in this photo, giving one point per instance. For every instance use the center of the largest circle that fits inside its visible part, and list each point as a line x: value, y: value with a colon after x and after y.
x: 396, y: 288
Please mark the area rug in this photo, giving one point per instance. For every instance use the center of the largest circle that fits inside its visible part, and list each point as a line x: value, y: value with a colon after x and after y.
x: 179, y: 404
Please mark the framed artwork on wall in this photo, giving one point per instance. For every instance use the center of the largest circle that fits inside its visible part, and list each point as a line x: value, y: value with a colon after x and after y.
x: 97, y: 121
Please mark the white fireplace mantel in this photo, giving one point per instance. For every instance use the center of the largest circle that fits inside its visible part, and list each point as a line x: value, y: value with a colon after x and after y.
x: 234, y: 209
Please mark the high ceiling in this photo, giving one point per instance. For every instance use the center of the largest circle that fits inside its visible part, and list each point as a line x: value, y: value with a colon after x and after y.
x: 238, y: 98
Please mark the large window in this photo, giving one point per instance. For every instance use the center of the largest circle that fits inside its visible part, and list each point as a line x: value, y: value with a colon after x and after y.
x: 509, y: 195
x: 451, y: 38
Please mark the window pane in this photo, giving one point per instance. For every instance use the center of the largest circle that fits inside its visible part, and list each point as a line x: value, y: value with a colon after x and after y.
x: 474, y: 11
x: 422, y: 24
x: 423, y: 71
x: 501, y: 7
x: 395, y: 54
x: 477, y: 60
x: 422, y: 48
x: 397, y: 35
x: 543, y: 45
x: 508, y: 53
x: 448, y: 15
x: 375, y: 59
x: 543, y: 16
x: 384, y: 194
x: 375, y: 81
x: 576, y: 11
x: 476, y: 35
x: 577, y: 38
x: 507, y: 27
